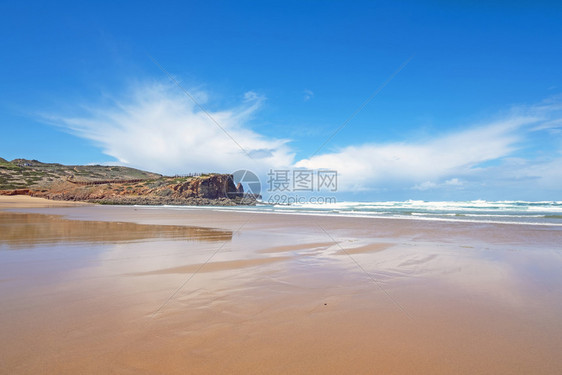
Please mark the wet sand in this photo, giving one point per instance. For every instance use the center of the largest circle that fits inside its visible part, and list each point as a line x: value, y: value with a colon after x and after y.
x: 103, y: 289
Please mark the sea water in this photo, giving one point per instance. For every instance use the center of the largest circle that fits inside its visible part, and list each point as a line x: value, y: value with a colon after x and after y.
x: 505, y: 212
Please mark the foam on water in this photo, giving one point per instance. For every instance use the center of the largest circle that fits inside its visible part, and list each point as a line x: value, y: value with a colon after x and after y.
x: 478, y: 211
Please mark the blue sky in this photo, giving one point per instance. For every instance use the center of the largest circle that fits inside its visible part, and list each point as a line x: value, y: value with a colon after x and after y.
x: 476, y: 113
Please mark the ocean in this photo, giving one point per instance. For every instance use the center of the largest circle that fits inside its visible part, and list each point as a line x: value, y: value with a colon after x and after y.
x: 480, y: 211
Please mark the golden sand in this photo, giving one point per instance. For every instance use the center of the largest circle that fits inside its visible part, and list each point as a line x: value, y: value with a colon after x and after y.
x: 97, y: 289
x: 24, y: 201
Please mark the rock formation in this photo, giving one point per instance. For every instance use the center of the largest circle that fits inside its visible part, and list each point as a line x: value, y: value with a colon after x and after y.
x: 117, y: 185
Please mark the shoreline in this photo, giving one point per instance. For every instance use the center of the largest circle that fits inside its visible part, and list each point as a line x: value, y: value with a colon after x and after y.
x: 351, y: 215
x: 7, y: 202
x: 232, y: 219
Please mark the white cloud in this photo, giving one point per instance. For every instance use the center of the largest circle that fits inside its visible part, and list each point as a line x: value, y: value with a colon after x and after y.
x: 427, y: 185
x: 475, y: 157
x: 158, y: 128
x: 453, y: 182
x: 372, y: 164
x: 553, y: 127
x: 308, y: 94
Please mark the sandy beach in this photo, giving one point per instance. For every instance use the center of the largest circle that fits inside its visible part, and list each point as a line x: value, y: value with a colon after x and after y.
x: 144, y: 290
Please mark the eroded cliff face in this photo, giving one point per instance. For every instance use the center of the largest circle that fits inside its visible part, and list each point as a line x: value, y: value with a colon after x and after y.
x: 116, y: 185
x: 210, y: 187
x: 214, y: 189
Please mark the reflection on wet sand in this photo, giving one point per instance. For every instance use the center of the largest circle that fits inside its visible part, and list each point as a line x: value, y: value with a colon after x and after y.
x: 20, y: 230
x: 279, y: 297
x: 217, y: 266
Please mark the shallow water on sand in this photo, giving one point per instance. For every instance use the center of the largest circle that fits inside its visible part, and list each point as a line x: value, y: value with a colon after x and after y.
x: 199, y: 291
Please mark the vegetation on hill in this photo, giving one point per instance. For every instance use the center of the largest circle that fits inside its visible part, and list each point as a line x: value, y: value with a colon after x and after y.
x: 30, y: 174
x: 116, y: 185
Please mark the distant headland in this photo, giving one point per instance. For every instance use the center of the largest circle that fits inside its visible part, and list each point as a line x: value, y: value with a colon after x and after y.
x: 117, y: 185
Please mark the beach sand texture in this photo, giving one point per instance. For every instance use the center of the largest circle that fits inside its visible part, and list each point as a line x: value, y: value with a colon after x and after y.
x: 88, y: 289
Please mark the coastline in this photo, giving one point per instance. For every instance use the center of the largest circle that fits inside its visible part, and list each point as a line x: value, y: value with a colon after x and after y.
x: 266, y: 293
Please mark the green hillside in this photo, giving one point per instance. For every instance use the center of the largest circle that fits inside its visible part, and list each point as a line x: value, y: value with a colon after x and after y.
x: 23, y: 173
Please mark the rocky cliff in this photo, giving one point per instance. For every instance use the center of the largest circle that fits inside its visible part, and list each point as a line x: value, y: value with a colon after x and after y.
x: 116, y: 185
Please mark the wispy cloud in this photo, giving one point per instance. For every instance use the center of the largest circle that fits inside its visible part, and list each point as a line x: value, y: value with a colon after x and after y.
x: 374, y: 164
x: 308, y: 94
x: 428, y: 185
x: 446, y: 159
x: 156, y: 127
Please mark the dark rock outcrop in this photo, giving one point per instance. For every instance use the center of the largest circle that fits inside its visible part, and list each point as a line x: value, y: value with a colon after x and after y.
x: 209, y: 187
